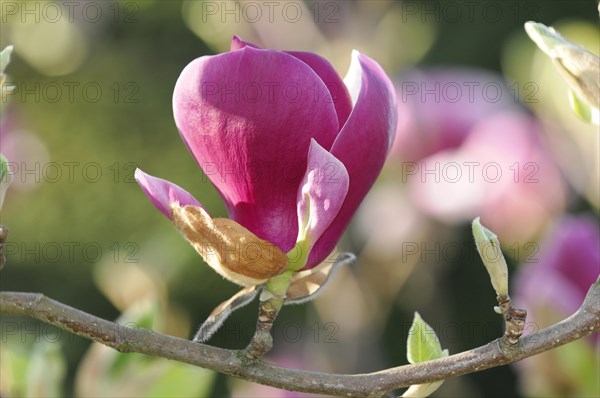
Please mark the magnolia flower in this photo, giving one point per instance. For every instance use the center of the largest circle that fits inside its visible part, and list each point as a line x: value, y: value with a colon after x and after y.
x: 291, y: 148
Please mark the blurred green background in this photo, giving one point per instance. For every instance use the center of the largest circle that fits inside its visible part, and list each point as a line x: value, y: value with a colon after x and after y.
x: 93, y: 102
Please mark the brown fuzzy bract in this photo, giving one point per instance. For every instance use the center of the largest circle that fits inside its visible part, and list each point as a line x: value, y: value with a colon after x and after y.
x: 229, y: 248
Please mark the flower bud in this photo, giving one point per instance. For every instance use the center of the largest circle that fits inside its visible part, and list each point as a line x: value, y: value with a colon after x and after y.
x: 4, y: 87
x: 488, y: 247
x: 229, y: 248
x: 6, y: 178
x: 579, y: 67
x: 4, y: 60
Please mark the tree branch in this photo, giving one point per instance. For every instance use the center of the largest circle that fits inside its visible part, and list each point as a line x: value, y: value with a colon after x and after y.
x: 499, y: 352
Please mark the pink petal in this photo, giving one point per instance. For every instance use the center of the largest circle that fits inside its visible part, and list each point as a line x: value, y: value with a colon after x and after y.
x: 248, y: 117
x: 333, y: 81
x: 335, y: 85
x: 363, y: 143
x: 326, y: 184
x: 163, y: 193
x: 237, y: 44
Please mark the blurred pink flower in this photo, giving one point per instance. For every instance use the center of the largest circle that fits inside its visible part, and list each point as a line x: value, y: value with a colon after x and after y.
x: 464, y: 148
x: 272, y: 128
x: 440, y: 106
x: 551, y: 289
x: 501, y: 172
x: 26, y: 152
x: 567, y: 265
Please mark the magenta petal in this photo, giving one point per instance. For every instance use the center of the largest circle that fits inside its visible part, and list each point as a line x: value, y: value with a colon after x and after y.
x: 237, y: 44
x: 363, y: 143
x: 322, y: 191
x: 163, y: 193
x: 248, y: 117
x: 333, y: 81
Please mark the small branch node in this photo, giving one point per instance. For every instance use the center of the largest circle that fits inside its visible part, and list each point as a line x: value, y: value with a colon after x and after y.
x: 514, y: 319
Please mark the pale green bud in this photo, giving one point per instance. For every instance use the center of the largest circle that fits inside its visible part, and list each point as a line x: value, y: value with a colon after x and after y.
x: 5, y: 58
x: 579, y: 67
x: 6, y: 178
x: 488, y: 247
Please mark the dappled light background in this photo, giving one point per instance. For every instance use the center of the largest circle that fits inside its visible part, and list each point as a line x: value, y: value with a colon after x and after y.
x: 485, y: 129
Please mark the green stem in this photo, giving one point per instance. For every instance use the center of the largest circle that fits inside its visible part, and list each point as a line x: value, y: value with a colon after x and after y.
x: 298, y: 256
